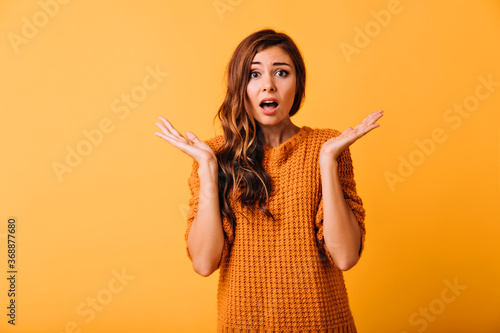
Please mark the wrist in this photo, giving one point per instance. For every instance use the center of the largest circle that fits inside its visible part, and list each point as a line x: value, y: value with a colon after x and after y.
x: 328, y: 162
x: 209, y: 169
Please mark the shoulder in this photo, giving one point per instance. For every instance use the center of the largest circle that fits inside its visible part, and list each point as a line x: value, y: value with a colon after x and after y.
x: 319, y: 136
x: 322, y: 134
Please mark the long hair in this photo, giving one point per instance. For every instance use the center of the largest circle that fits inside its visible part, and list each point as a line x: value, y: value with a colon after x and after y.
x: 240, y: 157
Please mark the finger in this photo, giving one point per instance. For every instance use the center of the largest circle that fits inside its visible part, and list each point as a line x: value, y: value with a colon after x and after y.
x: 170, y: 127
x: 378, y: 114
x: 368, y: 129
x: 346, y: 131
x: 366, y: 121
x: 171, y: 135
x: 161, y: 135
x: 165, y: 137
x: 166, y: 131
x: 163, y: 127
x: 184, y: 147
x: 193, y: 138
x: 371, y: 118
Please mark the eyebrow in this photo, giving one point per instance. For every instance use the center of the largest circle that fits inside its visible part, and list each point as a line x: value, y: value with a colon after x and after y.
x: 274, y: 63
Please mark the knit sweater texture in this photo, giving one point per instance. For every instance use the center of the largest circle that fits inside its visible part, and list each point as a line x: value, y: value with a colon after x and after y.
x: 279, y: 275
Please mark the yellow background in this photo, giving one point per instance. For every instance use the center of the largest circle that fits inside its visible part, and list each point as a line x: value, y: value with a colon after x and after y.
x: 122, y: 207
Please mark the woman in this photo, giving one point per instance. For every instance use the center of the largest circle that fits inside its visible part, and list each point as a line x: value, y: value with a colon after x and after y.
x: 273, y: 205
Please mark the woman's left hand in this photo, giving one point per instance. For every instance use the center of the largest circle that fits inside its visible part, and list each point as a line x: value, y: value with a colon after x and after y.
x: 332, y: 148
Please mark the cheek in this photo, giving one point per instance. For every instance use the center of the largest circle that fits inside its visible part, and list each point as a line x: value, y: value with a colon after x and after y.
x: 250, y: 92
x: 291, y: 94
x: 251, y: 99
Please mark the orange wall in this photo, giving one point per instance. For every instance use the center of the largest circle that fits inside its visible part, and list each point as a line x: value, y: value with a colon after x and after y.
x: 106, y: 224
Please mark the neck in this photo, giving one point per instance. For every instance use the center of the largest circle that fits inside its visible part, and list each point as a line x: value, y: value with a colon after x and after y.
x: 274, y: 135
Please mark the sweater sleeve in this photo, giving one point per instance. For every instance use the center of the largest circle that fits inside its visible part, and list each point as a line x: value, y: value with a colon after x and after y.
x: 194, y: 188
x: 346, y: 177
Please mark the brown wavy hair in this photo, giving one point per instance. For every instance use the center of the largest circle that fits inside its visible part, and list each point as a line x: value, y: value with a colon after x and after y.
x: 240, y: 157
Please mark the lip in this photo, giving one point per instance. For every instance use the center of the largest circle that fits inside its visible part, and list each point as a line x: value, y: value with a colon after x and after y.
x: 272, y: 99
x: 269, y: 113
x: 264, y: 111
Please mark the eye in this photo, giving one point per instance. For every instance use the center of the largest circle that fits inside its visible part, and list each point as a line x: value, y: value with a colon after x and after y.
x: 282, y: 73
x: 254, y: 74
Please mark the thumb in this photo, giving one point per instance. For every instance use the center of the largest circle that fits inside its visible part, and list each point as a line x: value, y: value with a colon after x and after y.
x: 193, y: 138
x: 347, y: 130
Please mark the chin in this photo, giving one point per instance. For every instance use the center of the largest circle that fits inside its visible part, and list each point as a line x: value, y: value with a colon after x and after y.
x: 275, y: 119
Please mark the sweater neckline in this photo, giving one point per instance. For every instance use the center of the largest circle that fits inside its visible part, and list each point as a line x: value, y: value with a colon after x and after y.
x: 289, y: 143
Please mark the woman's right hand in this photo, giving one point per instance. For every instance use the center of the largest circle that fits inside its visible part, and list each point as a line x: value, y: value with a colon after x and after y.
x: 191, y: 145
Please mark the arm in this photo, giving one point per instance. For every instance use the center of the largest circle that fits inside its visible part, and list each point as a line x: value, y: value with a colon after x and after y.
x: 206, y: 237
x: 341, y: 229
x: 204, y: 234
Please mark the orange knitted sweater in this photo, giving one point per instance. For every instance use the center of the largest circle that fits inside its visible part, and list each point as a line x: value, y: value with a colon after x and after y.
x: 279, y: 275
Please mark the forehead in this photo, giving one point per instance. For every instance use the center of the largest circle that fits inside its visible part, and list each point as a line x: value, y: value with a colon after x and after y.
x: 272, y: 54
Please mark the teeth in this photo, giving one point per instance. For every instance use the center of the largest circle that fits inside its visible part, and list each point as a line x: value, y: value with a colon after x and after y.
x: 268, y: 102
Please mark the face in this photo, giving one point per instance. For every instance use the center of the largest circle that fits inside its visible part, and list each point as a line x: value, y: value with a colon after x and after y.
x: 271, y: 89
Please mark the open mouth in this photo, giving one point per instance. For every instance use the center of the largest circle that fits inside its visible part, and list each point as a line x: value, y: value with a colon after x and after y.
x: 269, y: 105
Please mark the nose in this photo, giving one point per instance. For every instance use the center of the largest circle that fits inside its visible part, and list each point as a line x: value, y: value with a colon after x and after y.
x: 268, y: 84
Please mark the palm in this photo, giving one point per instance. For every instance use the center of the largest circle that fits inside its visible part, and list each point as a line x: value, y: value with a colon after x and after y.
x: 335, y: 146
x: 190, y: 144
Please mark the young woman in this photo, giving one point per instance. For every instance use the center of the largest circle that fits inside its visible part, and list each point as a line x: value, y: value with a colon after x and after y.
x: 273, y: 205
